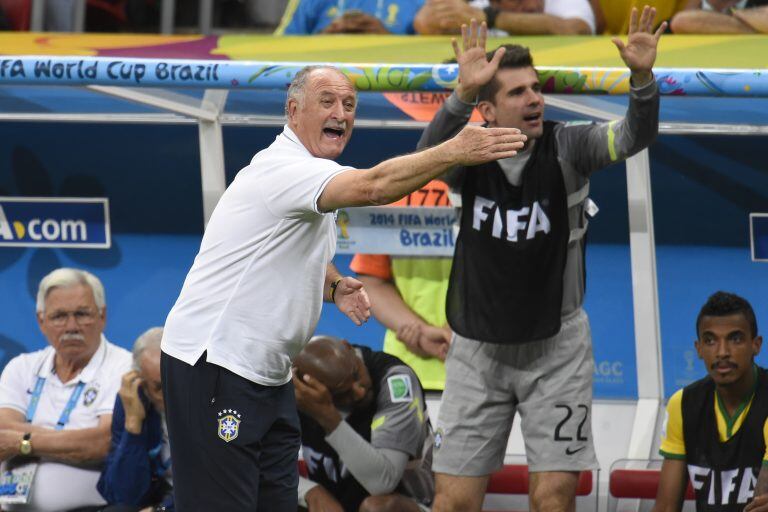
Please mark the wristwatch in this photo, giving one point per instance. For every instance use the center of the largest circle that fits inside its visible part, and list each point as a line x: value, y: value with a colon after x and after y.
x: 25, y: 448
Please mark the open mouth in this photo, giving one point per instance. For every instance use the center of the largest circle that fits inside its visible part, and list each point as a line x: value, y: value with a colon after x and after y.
x: 334, y: 133
x: 531, y: 118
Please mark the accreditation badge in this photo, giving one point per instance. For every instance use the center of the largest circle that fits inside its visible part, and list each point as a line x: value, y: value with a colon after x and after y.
x: 16, y: 482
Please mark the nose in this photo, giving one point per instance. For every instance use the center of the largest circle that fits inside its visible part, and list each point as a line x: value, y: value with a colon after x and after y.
x: 338, y: 111
x: 533, y: 97
x: 71, y: 325
x: 723, y: 349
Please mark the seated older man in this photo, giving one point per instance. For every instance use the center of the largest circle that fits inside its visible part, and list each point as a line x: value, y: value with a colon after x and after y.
x: 137, y: 473
x: 56, y: 403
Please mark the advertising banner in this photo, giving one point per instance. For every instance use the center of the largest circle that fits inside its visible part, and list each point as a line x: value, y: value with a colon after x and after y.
x: 76, y: 223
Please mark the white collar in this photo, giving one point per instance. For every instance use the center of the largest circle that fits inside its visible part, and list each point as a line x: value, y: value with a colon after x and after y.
x: 87, y: 374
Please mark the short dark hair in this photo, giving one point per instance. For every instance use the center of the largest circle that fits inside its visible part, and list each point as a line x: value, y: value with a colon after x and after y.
x: 516, y: 57
x: 724, y: 304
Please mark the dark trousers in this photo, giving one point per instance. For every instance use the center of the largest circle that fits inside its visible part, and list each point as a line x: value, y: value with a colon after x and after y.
x: 234, y: 443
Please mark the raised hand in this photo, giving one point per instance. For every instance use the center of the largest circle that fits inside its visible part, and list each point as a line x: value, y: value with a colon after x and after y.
x: 475, y: 145
x: 129, y: 395
x: 352, y: 300
x: 474, y: 70
x: 639, y: 52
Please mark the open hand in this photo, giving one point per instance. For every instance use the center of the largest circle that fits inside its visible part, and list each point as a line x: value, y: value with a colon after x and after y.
x: 475, y: 145
x: 474, y: 69
x: 352, y: 300
x: 639, y: 52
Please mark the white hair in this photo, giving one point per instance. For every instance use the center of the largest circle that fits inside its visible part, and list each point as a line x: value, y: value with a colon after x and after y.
x: 151, y: 338
x: 296, y: 87
x: 67, y: 277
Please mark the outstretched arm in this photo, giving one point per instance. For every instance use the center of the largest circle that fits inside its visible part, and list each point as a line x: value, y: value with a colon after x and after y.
x: 589, y: 147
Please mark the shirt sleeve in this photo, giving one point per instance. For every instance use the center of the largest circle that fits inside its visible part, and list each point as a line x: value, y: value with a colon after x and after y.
x: 672, y: 439
x: 300, y: 184
x: 399, y: 422
x: 13, y: 386
x: 765, y: 440
x: 591, y: 146
x: 376, y: 265
x: 568, y: 9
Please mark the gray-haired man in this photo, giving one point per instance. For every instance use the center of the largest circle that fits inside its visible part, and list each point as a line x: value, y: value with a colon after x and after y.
x: 137, y: 472
x: 56, y: 403
x: 253, y: 296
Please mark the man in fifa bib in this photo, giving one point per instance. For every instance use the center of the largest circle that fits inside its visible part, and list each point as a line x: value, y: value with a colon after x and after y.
x: 715, y: 430
x: 522, y: 339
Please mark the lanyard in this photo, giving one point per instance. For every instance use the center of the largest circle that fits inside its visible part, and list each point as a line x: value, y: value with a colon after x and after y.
x: 341, y: 6
x: 64, y: 418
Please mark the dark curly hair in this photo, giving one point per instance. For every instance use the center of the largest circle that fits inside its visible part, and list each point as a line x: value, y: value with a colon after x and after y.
x: 724, y: 304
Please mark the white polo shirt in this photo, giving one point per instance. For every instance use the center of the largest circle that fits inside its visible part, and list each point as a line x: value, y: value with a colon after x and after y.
x: 254, y: 293
x: 59, y: 486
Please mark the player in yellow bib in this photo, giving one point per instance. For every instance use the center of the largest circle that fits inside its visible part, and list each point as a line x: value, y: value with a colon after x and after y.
x: 715, y: 429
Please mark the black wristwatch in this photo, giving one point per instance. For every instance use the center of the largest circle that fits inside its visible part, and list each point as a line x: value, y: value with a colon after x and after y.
x: 490, y: 16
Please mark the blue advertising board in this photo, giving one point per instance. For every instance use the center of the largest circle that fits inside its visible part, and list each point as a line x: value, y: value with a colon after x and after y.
x: 758, y: 236
x: 63, y: 222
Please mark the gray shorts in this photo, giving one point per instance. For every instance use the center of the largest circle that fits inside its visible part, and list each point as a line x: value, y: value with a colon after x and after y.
x: 548, y: 381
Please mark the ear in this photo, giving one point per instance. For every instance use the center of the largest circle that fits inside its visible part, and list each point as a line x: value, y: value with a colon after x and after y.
x: 488, y: 111
x: 40, y: 319
x: 697, y: 345
x: 756, y: 344
x: 291, y: 108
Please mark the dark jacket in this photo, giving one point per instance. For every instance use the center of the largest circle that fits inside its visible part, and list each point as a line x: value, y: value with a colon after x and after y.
x: 133, y: 471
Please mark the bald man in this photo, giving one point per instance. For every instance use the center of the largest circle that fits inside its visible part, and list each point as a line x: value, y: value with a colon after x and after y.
x: 366, y: 437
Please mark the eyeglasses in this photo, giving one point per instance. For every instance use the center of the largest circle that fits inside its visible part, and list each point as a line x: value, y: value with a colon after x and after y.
x: 82, y: 317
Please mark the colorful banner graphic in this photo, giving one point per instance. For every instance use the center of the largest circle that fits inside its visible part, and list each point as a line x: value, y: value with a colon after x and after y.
x: 399, y: 231
x: 46, y: 70
x: 81, y: 223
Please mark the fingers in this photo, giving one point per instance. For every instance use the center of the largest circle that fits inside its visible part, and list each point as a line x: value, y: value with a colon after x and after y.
x: 464, y: 36
x: 473, y: 33
x: 456, y: 50
x: 482, y: 37
x: 135, y: 385
x: 497, y: 56
x: 619, y: 44
x: 129, y: 377
x: 662, y: 28
x: 633, y: 21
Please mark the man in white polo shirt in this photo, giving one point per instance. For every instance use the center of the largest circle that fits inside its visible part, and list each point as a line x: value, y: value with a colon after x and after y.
x: 56, y: 403
x: 253, y: 295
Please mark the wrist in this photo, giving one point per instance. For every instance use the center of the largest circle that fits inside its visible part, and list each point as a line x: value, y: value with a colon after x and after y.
x: 133, y: 425
x: 334, y: 285
x: 25, y: 444
x: 466, y: 95
x: 640, y: 78
x: 330, y: 420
